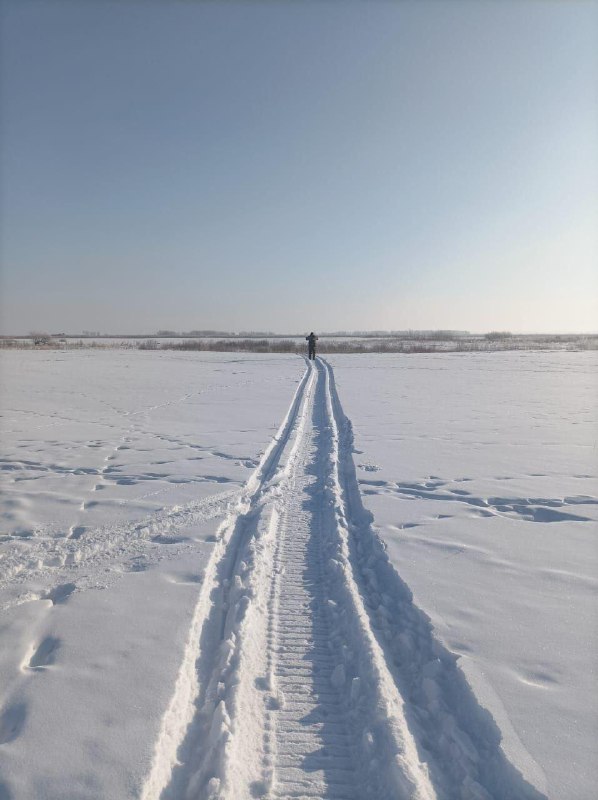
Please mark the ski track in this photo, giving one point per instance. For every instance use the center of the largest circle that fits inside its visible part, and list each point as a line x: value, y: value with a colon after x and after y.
x: 308, y: 671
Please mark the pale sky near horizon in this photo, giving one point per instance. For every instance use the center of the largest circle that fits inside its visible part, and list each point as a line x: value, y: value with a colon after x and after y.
x: 299, y: 165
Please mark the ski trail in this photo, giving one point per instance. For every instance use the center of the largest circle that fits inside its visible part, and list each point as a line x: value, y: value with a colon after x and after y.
x: 308, y: 671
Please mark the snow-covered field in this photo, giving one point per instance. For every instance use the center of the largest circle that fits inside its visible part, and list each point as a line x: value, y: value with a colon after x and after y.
x: 195, y: 601
x: 481, y: 472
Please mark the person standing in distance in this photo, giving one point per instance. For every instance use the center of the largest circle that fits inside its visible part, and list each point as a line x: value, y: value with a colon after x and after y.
x: 311, y: 344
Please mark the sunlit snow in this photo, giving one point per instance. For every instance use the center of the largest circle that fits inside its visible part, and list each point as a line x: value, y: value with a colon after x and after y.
x: 157, y: 506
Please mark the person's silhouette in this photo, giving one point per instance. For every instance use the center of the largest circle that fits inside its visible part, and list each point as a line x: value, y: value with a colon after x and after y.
x: 311, y: 344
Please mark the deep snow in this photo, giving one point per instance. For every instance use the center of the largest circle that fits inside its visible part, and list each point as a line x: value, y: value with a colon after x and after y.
x: 148, y: 494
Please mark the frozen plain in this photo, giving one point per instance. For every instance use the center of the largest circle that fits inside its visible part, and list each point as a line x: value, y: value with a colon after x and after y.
x: 154, y: 516
x: 482, y: 476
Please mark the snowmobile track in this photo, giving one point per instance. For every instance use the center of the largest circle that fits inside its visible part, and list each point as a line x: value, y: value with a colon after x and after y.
x: 313, y: 746
x: 309, y: 672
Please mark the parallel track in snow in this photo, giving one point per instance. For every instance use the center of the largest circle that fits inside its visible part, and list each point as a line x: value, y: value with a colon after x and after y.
x: 308, y: 672
x: 313, y: 743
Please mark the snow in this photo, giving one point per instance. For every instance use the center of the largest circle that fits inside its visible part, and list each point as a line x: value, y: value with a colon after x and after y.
x: 481, y: 474
x: 164, y: 444
x: 234, y: 576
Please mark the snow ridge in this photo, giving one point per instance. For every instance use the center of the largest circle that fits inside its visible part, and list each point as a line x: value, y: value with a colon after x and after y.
x: 389, y: 757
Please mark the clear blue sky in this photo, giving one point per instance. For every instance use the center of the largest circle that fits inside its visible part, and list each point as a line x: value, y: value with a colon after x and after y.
x: 299, y: 165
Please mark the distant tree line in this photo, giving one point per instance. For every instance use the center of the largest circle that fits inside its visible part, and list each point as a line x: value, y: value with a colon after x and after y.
x: 488, y: 343
x: 408, y: 342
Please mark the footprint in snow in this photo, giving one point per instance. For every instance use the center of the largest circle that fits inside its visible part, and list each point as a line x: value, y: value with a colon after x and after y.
x: 169, y: 539
x: 246, y: 462
x: 45, y: 653
x: 12, y: 721
x: 370, y: 467
x: 185, y: 579
x: 60, y: 594
x: 138, y: 566
x: 5, y: 793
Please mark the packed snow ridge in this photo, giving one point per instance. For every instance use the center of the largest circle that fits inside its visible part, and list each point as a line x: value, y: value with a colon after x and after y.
x: 308, y: 670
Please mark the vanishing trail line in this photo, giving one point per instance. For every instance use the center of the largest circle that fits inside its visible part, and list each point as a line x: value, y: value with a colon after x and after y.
x: 308, y: 671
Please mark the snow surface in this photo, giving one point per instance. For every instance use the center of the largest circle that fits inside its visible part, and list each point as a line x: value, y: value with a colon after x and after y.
x: 117, y: 469
x: 481, y: 472
x: 195, y: 601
